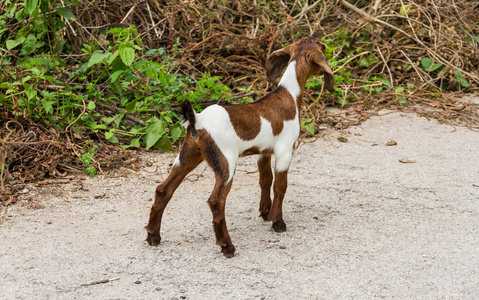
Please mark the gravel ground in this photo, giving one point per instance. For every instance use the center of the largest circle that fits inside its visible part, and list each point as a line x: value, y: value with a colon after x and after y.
x: 365, y: 220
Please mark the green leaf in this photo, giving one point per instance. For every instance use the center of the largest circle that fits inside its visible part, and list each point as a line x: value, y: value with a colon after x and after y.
x: 115, y: 75
x: 4, y: 85
x: 464, y: 83
x: 127, y: 55
x: 67, y: 13
x: 48, y: 106
x: 108, y: 120
x: 130, y: 106
x: 404, y: 9
x: 30, y: 93
x: 113, y: 57
x: 164, y: 143
x: 111, y: 137
x: 115, y: 30
x: 343, y: 102
x: 427, y: 65
x: 367, y: 61
x: 91, y: 171
x: 91, y: 105
x: 29, y: 44
x: 96, y: 58
x: 118, y: 119
x: 163, y: 77
x: 309, y: 127
x: 135, y: 142
x: 176, y: 132
x: 154, y: 131
x: 99, y: 126
x: 364, y: 62
x: 399, y: 90
x: 31, y: 5
x: 12, y: 43
x: 403, y: 100
x: 461, y: 79
x: 19, y: 15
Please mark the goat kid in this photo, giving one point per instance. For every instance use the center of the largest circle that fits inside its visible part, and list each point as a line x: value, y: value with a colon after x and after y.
x: 220, y: 134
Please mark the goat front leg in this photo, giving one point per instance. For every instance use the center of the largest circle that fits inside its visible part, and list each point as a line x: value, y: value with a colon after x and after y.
x: 276, y: 213
x: 187, y: 160
x: 279, y: 188
x: 265, y: 182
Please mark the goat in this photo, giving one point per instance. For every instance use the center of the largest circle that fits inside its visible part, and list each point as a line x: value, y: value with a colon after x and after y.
x: 222, y: 133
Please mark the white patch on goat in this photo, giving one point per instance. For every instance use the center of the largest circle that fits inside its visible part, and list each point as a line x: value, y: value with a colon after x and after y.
x: 185, y: 123
x: 215, y: 119
x: 284, y: 144
x: 290, y: 81
x: 176, y: 163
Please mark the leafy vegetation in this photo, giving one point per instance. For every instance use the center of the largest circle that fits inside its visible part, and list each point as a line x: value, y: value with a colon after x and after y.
x: 92, y: 74
x: 116, y: 91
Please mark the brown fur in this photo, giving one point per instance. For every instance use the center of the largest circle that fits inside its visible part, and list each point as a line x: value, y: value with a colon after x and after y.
x: 276, y: 107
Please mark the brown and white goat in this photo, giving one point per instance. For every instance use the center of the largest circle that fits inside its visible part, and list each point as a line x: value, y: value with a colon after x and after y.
x: 220, y: 134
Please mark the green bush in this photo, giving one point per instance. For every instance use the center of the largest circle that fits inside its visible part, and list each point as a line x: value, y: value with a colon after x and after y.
x: 115, y: 91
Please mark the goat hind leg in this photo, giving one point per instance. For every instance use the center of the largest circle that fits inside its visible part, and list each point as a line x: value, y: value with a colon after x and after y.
x: 265, y: 182
x: 187, y: 160
x: 217, y: 203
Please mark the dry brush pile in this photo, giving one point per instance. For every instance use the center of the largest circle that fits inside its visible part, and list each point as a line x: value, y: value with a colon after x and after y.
x: 410, y: 55
x: 385, y: 53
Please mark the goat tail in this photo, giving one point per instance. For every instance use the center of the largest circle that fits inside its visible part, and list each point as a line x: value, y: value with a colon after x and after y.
x: 188, y: 116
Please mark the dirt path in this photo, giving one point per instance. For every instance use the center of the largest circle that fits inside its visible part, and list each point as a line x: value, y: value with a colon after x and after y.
x: 361, y: 224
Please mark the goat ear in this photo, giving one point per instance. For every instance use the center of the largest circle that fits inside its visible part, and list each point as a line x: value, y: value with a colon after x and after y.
x: 320, y: 60
x: 277, y: 61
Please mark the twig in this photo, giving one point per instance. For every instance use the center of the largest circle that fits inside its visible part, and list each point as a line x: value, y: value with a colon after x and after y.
x: 92, y: 36
x: 129, y: 12
x: 386, y: 64
x: 430, y: 51
x: 68, y: 23
x: 100, y: 281
x: 151, y: 18
x: 116, y: 110
x: 56, y: 181
x: 354, y: 8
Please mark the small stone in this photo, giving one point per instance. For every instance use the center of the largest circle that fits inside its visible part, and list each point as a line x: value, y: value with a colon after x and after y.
x: 137, y: 282
x: 282, y: 247
x: 342, y: 139
x: 157, y: 289
x: 391, y: 143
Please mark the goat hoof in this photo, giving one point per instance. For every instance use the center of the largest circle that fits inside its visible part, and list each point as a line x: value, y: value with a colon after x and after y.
x: 279, y: 226
x: 228, y: 251
x: 153, y: 239
x: 264, y: 215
